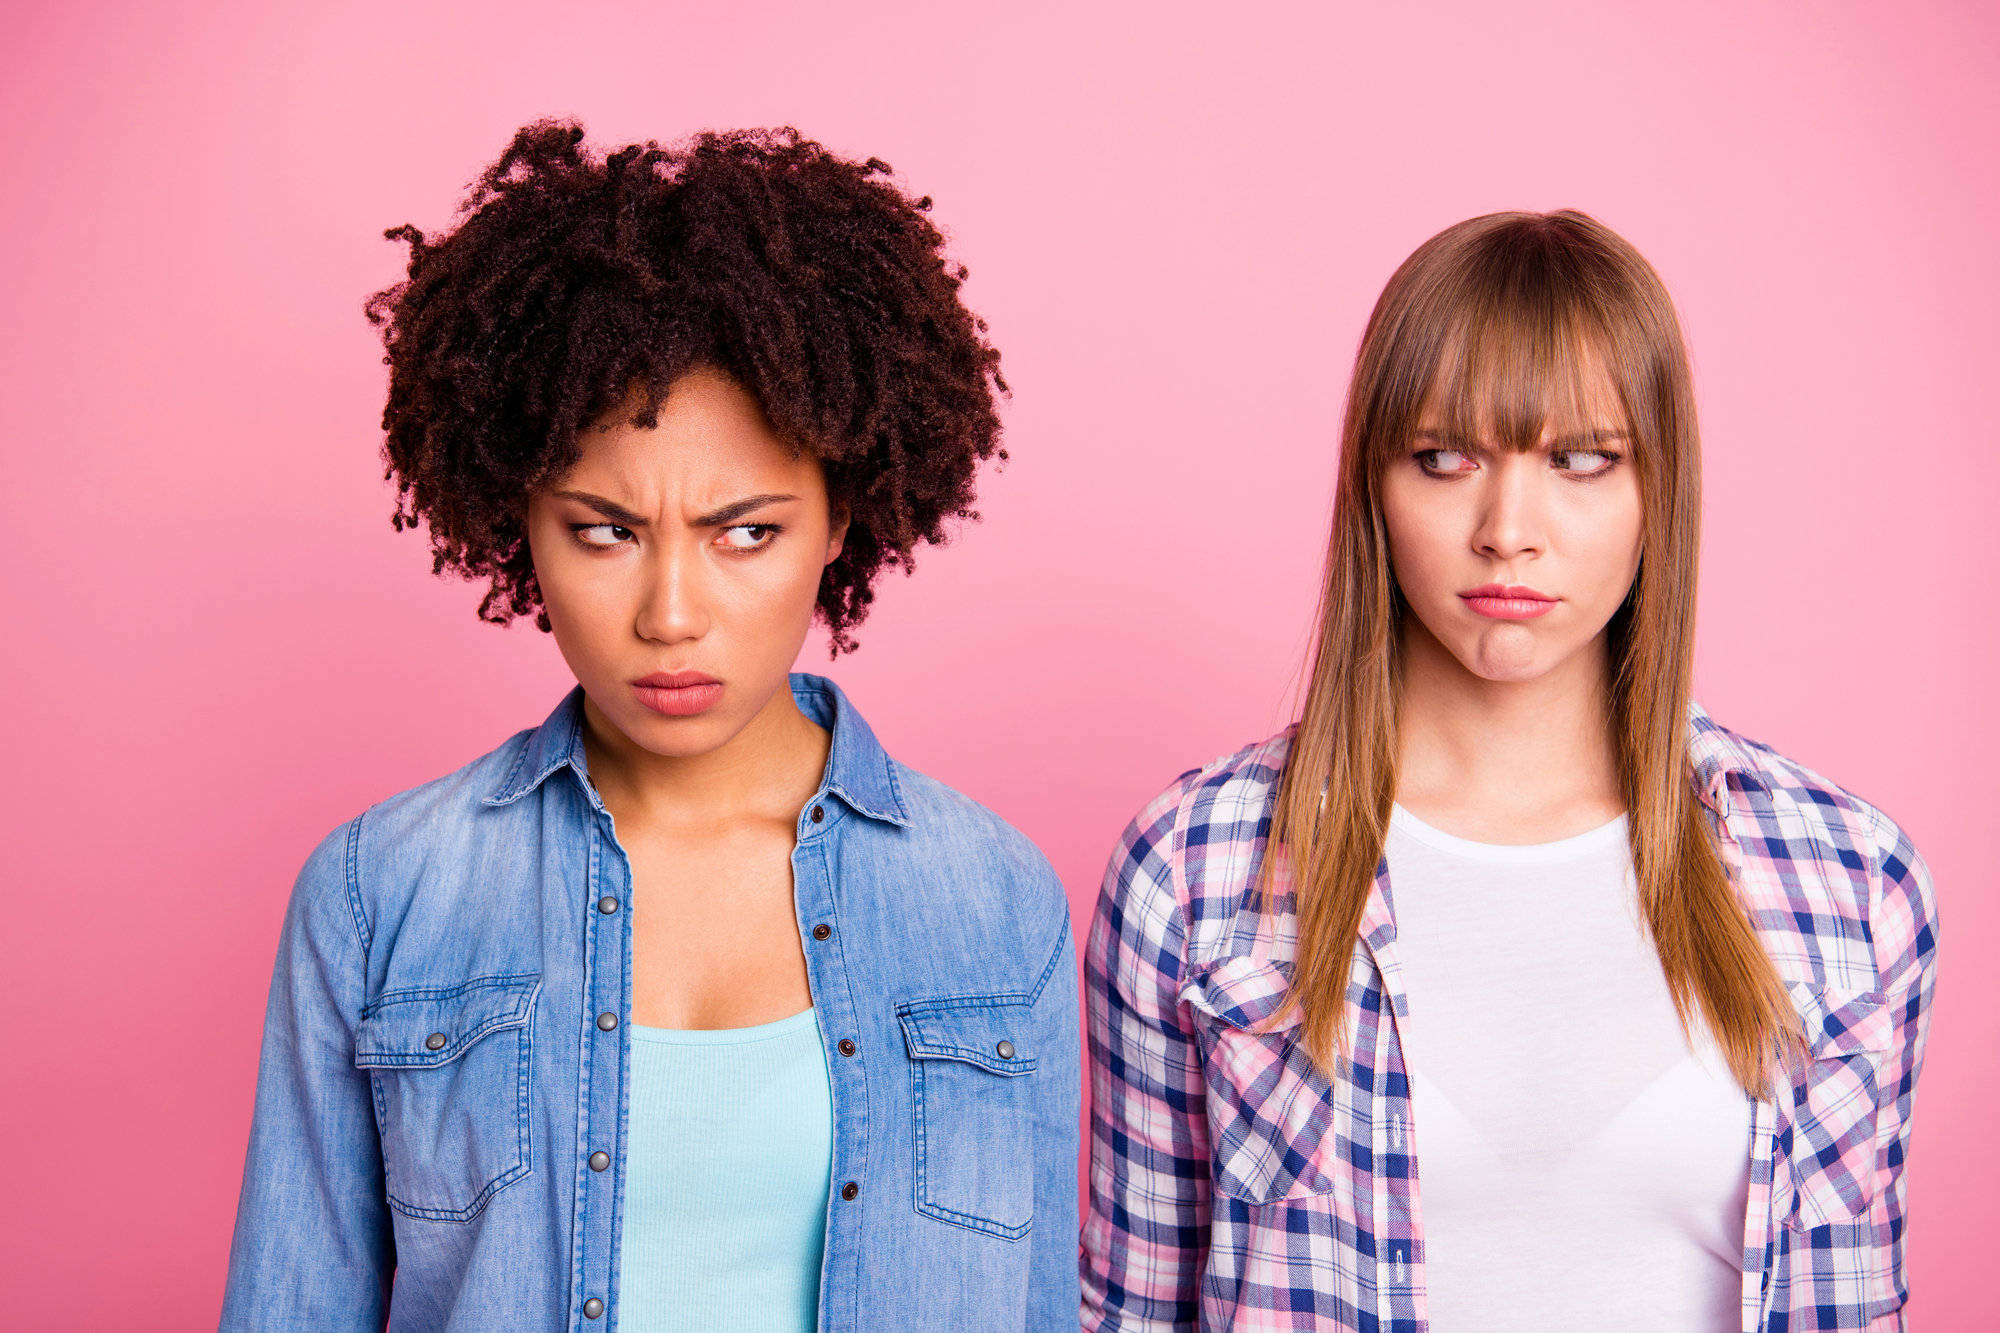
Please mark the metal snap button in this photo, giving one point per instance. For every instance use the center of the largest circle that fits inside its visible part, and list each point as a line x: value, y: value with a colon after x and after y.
x: 607, y: 904
x: 849, y: 1191
x: 846, y: 1047
x: 435, y: 1041
x: 818, y: 814
x: 599, y: 1160
x: 822, y: 931
x: 592, y: 1308
x: 607, y: 1021
x: 1005, y: 1050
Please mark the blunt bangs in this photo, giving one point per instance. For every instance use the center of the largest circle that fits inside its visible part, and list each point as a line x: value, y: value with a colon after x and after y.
x: 1525, y: 334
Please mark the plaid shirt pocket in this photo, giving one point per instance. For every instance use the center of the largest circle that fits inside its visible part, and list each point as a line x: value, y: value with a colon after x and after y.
x: 1835, y: 1101
x: 1271, y: 1114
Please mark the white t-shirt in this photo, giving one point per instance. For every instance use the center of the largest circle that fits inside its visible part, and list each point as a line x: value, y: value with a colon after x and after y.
x: 1579, y: 1167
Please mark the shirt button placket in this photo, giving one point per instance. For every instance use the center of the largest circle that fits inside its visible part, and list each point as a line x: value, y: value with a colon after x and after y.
x: 603, y: 1069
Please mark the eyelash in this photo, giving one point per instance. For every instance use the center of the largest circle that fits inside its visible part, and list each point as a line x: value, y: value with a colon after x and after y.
x: 771, y: 529
x: 624, y: 535
x: 577, y: 530
x: 1611, y: 456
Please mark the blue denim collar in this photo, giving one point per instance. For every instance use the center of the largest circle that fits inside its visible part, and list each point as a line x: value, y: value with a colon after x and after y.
x: 858, y: 770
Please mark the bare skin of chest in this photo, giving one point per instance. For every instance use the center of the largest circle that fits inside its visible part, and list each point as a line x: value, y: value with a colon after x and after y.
x: 715, y: 943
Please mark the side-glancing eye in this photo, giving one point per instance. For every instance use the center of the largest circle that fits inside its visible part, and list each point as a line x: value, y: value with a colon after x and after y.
x: 1446, y: 462
x: 747, y: 536
x: 601, y: 534
x: 1583, y: 462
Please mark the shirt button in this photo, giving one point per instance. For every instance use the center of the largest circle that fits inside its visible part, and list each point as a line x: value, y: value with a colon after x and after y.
x: 600, y: 1160
x: 607, y: 1021
x: 435, y: 1041
x: 822, y: 931
x: 607, y: 904
x: 849, y: 1191
x: 846, y: 1047
x: 592, y: 1308
x: 819, y: 813
x: 1005, y: 1050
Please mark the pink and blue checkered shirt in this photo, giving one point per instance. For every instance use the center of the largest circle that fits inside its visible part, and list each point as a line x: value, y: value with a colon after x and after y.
x: 1234, y: 1187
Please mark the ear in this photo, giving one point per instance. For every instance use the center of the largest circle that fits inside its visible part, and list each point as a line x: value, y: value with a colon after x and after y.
x: 838, y: 517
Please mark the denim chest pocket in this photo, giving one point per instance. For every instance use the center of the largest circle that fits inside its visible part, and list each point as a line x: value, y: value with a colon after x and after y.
x: 972, y: 1064
x: 1836, y: 1100
x: 1271, y: 1112
x: 450, y: 1071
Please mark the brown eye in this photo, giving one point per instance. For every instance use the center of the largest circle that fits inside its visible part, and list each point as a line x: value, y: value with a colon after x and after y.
x: 1579, y: 463
x: 602, y: 534
x: 1445, y: 460
x: 746, y: 536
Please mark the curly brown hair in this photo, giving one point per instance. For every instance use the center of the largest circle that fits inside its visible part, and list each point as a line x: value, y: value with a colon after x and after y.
x: 810, y: 280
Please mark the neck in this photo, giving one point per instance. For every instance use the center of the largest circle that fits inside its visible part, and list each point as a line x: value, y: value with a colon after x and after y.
x: 768, y: 769
x: 1519, y: 762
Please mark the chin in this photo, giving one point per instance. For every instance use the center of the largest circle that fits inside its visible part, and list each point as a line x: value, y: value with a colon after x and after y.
x: 1504, y: 658
x: 1509, y: 675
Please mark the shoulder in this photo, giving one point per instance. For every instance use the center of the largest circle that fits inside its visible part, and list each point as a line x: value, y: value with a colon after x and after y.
x: 387, y: 845
x: 1798, y: 834
x: 447, y: 810
x: 1200, y: 839
x: 459, y: 795
x: 944, y: 820
x: 975, y: 893
x: 1790, y: 799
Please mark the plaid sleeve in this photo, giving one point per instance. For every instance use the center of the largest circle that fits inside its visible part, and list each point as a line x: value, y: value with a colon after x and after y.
x: 1903, y: 922
x: 1146, y: 1235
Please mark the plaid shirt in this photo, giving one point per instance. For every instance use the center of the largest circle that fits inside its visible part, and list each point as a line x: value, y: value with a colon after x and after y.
x: 1232, y: 1186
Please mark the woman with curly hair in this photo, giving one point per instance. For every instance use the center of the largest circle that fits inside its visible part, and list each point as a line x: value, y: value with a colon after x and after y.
x: 1507, y: 991
x: 689, y: 1008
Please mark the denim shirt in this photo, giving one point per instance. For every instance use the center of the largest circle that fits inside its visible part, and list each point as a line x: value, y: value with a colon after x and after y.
x: 445, y: 1075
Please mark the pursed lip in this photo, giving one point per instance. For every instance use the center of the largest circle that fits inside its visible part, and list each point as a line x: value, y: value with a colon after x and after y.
x: 677, y: 693
x: 1501, y: 601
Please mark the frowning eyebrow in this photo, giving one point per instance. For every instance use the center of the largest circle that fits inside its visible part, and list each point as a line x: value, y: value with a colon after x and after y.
x: 611, y: 510
x: 729, y: 513
x: 614, y: 512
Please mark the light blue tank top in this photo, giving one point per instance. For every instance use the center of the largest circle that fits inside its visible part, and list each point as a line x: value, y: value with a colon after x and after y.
x: 726, y: 1178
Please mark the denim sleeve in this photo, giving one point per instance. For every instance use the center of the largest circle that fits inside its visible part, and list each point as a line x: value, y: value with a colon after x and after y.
x: 1052, y: 1284
x: 313, y: 1249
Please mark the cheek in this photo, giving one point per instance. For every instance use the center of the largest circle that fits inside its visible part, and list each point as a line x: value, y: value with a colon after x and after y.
x: 1420, y: 538
x: 589, y: 601
x: 1610, y: 536
x: 770, y: 591
x: 553, y: 572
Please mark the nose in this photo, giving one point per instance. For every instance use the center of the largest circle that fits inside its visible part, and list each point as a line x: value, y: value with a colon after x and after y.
x: 674, y: 606
x: 1511, y: 523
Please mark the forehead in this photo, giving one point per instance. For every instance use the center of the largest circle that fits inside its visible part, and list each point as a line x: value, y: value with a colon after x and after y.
x: 709, y: 436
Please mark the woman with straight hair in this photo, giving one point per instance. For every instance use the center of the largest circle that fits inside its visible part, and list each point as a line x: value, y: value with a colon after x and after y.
x: 1507, y: 990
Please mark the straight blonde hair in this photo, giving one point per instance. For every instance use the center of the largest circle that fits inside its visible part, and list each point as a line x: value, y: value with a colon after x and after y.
x: 1500, y: 326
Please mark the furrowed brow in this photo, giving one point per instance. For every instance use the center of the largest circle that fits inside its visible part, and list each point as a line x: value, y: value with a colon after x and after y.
x: 739, y: 509
x: 611, y: 510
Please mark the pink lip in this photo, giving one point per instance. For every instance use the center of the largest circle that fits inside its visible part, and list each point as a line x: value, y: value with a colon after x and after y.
x: 1500, y: 602
x: 678, y: 693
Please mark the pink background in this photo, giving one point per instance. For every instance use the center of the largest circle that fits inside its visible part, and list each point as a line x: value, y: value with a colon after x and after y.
x: 1177, y: 217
